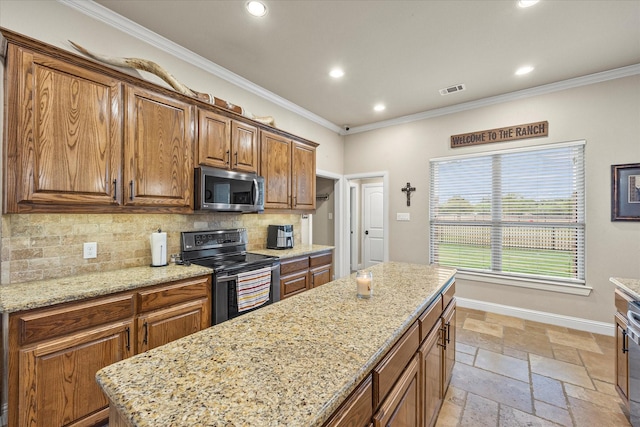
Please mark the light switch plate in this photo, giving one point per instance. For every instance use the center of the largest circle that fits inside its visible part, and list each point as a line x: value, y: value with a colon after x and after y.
x: 403, y: 216
x: 90, y: 250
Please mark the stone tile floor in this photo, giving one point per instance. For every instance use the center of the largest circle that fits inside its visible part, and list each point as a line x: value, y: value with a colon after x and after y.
x: 515, y: 372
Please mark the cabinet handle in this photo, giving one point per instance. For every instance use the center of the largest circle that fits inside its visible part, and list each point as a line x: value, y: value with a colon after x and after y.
x: 228, y: 157
x: 128, y: 338
x: 295, y: 201
x: 146, y: 333
x: 448, y: 332
x: 236, y: 158
x: 131, y: 189
x: 625, y: 340
x: 115, y: 189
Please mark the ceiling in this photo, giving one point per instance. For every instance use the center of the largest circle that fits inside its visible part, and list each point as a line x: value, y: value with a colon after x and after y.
x: 399, y: 53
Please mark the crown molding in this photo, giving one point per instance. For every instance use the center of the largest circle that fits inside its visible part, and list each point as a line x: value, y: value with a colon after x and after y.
x: 107, y: 16
x: 121, y: 23
x: 603, y: 76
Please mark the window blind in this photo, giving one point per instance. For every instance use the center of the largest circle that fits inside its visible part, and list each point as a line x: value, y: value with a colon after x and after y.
x: 513, y: 213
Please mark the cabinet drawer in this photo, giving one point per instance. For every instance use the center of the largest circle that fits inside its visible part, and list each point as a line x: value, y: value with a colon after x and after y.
x: 51, y: 323
x: 174, y: 293
x: 320, y: 259
x: 430, y: 317
x: 622, y: 301
x: 448, y: 295
x: 293, y: 284
x: 294, y: 264
x: 390, y: 368
x: 357, y: 410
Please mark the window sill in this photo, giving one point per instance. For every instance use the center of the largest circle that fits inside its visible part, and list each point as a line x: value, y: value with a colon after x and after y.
x: 542, y: 285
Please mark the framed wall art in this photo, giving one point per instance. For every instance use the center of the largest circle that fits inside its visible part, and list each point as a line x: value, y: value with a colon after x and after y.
x: 625, y: 192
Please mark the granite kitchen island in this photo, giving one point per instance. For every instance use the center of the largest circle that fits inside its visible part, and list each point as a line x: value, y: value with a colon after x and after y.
x: 292, y: 363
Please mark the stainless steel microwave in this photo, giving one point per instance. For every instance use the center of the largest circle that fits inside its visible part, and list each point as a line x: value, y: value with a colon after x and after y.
x: 228, y: 191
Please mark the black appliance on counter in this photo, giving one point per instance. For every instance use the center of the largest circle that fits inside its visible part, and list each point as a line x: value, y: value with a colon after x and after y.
x: 225, y: 251
x: 280, y: 237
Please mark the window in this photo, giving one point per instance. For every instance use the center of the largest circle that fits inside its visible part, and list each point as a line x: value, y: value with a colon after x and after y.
x: 515, y: 213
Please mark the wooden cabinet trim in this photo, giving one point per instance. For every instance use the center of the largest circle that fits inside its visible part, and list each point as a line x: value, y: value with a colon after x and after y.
x: 430, y: 317
x: 357, y: 409
x: 388, y: 370
x: 448, y: 294
x: 49, y: 323
x: 321, y: 259
x: 177, y: 292
x: 408, y: 383
x: 293, y: 265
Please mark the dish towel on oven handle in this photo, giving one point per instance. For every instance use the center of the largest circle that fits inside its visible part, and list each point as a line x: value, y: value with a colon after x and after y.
x: 253, y: 288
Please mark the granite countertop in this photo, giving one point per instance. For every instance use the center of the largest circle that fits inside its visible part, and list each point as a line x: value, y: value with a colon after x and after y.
x: 43, y: 293
x: 631, y: 286
x: 291, y: 363
x: 298, y: 250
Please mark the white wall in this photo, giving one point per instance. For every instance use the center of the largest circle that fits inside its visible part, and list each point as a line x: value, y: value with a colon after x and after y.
x: 54, y: 23
x: 606, y: 115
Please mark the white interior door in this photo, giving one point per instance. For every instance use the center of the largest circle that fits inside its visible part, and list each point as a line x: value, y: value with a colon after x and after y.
x: 353, y: 226
x: 373, y: 224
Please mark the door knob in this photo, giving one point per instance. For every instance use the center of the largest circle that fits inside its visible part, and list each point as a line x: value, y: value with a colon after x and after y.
x: 366, y: 232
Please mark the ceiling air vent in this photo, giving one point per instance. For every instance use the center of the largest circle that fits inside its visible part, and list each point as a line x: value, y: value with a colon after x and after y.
x: 452, y: 89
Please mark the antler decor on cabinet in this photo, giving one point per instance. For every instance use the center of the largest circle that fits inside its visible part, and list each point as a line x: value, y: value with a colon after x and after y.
x: 154, y: 68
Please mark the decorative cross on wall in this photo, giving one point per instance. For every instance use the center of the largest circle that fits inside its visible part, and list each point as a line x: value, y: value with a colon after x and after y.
x: 408, y: 189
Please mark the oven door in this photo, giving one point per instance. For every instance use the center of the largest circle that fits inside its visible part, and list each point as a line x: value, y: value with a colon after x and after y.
x: 225, y: 297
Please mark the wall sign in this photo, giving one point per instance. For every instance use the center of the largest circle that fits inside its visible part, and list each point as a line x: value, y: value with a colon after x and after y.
x: 529, y: 130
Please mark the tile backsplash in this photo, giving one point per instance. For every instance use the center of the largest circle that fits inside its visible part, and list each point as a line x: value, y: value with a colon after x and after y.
x: 48, y: 246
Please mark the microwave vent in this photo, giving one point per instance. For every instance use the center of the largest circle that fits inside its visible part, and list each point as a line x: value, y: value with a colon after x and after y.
x: 452, y: 89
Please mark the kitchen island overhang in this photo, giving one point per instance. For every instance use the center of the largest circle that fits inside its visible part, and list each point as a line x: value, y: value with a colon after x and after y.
x: 291, y: 363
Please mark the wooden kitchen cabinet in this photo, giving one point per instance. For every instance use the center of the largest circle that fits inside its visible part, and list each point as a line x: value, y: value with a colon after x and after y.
x: 321, y: 268
x: 301, y: 273
x: 289, y: 170
x: 622, y: 300
x: 431, y: 356
x: 55, y: 352
x: 158, y: 151
x: 448, y: 343
x: 172, y: 312
x: 401, y: 407
x: 356, y: 410
x: 63, y: 141
x: 226, y: 143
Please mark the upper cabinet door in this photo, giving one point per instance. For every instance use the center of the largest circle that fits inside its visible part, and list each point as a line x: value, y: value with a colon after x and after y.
x: 304, y: 176
x: 214, y: 139
x: 226, y: 143
x: 158, y: 153
x: 275, y: 167
x: 63, y: 138
x: 244, y: 138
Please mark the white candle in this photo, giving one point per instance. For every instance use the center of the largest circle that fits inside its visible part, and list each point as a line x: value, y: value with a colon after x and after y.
x: 363, y: 282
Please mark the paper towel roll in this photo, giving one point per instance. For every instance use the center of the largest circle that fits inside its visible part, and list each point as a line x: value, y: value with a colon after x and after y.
x: 158, y: 249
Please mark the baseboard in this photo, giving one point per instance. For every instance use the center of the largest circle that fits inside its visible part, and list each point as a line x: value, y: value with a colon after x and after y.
x: 580, y: 324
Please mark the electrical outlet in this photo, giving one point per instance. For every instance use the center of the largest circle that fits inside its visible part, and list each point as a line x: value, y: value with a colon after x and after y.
x: 90, y: 250
x: 403, y: 216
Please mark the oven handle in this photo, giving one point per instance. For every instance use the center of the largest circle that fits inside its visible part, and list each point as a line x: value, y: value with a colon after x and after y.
x: 235, y: 276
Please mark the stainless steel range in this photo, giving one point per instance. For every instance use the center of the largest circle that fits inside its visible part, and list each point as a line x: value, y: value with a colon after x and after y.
x: 242, y: 281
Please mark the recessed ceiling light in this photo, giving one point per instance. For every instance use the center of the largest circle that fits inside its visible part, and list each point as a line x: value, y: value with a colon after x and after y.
x: 256, y: 8
x: 379, y: 107
x: 336, y: 73
x: 527, y: 3
x: 524, y: 70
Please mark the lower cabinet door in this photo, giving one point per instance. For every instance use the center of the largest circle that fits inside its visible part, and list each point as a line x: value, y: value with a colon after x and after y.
x: 449, y: 341
x: 622, y: 357
x: 430, y: 375
x: 163, y: 326
x: 294, y: 284
x: 401, y: 408
x: 57, y: 377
